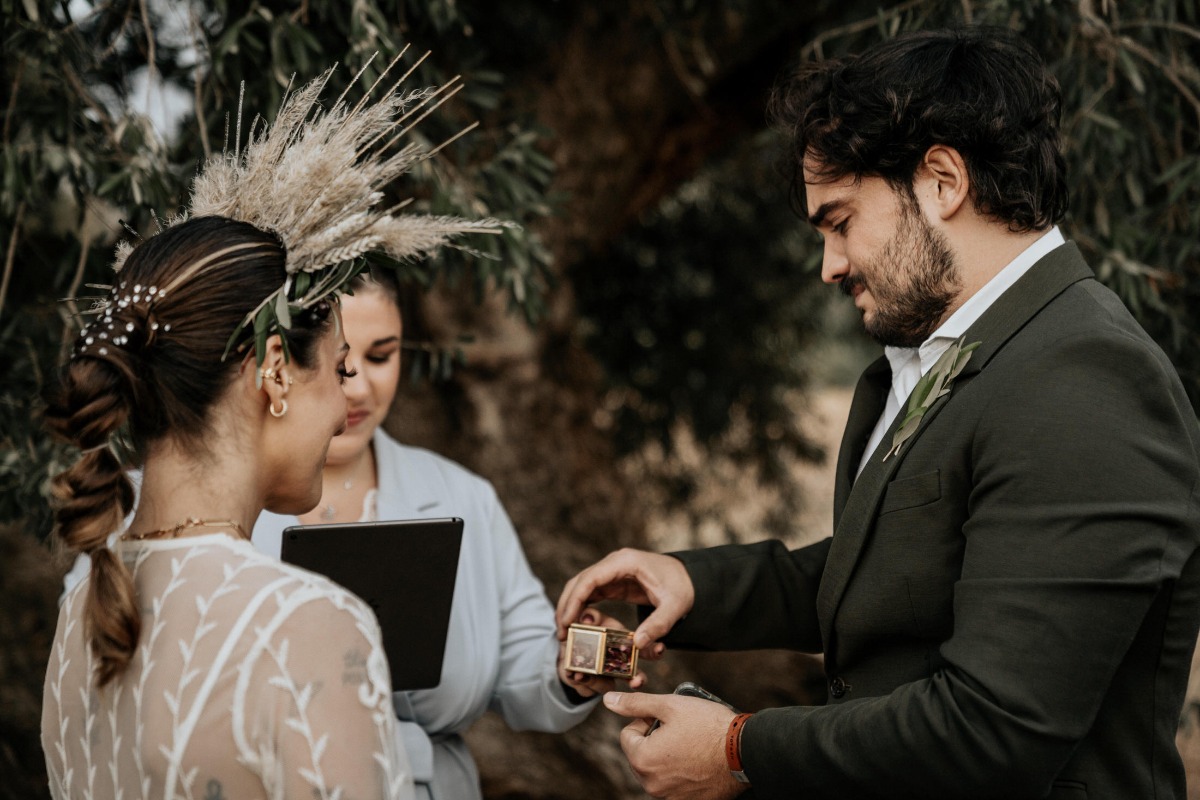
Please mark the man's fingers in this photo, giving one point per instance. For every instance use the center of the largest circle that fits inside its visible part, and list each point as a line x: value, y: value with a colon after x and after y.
x: 639, y: 727
x: 575, y: 596
x: 588, y: 585
x: 637, y: 704
x: 633, y: 738
x: 633, y: 576
x: 656, y: 626
x: 633, y: 735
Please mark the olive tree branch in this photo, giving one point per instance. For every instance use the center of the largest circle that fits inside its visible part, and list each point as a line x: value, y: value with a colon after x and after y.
x: 12, y: 251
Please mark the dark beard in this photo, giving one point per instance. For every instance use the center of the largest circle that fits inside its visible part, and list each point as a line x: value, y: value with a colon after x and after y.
x: 906, y: 318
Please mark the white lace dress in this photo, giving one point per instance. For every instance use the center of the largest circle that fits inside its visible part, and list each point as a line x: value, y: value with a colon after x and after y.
x: 252, y: 679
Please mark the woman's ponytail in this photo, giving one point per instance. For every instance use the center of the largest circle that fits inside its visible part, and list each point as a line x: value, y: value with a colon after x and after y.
x: 93, y: 497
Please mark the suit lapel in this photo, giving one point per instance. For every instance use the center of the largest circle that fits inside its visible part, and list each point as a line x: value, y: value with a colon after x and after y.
x: 1003, y: 319
x: 857, y: 520
x: 1044, y: 281
x: 870, y: 397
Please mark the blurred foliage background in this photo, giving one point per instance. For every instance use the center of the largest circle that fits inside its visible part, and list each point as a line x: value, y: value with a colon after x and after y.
x: 660, y: 298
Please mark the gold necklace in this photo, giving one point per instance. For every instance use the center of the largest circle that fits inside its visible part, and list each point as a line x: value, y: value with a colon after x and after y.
x: 190, y: 522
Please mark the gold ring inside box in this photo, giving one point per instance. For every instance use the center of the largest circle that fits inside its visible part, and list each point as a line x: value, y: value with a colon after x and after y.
x: 601, y: 651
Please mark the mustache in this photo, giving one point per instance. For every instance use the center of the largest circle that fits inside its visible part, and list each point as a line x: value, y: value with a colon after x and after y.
x: 848, y: 284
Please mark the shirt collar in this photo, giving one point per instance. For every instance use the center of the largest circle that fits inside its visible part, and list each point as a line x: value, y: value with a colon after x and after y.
x: 899, y: 358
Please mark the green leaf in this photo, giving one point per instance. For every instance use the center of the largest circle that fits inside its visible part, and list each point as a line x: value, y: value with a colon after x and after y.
x: 961, y: 362
x: 301, y: 285
x: 945, y: 361
x: 1105, y: 120
x: 110, y: 183
x: 1176, y: 169
x: 915, y: 414
x: 282, y: 312
x: 917, y: 398
x: 1129, y: 67
x: 263, y: 322
x: 229, y: 343
x: 908, y: 429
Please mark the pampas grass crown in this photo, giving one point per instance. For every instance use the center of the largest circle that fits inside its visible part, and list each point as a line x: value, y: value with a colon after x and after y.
x: 314, y: 177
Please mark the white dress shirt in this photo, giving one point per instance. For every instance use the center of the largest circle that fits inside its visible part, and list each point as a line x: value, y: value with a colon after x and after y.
x: 909, y: 364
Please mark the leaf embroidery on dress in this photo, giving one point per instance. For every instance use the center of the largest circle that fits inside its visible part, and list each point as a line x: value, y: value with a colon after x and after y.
x: 179, y: 669
x: 300, y: 723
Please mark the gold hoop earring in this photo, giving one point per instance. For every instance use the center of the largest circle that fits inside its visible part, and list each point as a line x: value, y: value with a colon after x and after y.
x: 282, y: 408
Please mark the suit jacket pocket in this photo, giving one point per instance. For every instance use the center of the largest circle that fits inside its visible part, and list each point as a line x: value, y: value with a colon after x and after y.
x: 917, y: 490
x: 1068, y: 790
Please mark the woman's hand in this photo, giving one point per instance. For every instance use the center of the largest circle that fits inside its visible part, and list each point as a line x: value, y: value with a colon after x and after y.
x: 588, y: 685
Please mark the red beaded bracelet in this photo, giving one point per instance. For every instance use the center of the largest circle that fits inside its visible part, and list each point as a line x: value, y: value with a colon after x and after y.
x: 733, y: 747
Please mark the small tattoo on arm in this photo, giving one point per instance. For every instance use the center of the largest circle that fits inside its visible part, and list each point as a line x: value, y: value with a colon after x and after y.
x: 354, y: 668
x: 214, y: 791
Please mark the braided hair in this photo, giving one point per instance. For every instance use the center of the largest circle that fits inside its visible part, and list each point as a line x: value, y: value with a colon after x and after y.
x: 151, y: 367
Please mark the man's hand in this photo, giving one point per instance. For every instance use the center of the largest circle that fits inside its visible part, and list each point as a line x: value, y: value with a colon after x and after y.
x: 634, y: 576
x: 588, y: 685
x: 684, y: 759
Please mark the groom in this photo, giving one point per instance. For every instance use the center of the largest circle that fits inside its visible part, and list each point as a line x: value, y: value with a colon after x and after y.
x: 1010, y: 599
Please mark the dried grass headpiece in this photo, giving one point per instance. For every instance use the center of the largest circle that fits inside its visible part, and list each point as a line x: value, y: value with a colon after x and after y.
x: 314, y: 178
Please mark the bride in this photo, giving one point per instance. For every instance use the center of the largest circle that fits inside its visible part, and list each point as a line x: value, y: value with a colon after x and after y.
x: 188, y: 664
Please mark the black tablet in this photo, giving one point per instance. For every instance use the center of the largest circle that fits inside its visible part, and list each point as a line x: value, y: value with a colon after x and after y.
x: 404, y: 570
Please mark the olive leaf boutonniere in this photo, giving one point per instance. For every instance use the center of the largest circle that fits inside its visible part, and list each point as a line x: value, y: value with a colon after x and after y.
x: 933, y: 384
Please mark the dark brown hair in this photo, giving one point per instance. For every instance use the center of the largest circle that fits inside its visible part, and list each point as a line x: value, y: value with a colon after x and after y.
x: 405, y: 295
x: 983, y: 91
x: 152, y: 366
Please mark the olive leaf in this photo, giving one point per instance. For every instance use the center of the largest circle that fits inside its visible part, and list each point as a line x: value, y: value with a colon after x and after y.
x: 282, y: 313
x: 933, y: 384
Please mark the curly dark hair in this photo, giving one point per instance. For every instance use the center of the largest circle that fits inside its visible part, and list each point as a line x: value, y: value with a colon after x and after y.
x: 983, y: 91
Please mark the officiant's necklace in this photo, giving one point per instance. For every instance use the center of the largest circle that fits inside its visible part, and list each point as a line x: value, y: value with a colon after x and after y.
x: 329, y: 510
x: 363, y: 470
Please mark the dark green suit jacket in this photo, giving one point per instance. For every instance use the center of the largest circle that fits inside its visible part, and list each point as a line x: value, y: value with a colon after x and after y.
x: 1008, y: 608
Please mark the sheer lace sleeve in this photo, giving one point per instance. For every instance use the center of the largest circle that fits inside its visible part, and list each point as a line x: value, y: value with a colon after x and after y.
x: 251, y: 679
x: 323, y: 727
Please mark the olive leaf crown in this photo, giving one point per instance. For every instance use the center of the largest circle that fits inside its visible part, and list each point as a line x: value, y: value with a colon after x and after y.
x: 314, y: 177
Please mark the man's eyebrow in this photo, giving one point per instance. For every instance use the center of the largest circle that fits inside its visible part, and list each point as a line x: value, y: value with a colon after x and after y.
x: 823, y: 211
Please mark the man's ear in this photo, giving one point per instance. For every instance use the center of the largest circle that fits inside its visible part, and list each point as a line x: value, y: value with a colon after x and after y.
x: 948, y: 184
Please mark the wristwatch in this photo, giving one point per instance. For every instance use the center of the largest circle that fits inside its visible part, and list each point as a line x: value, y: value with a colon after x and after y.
x: 733, y: 747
